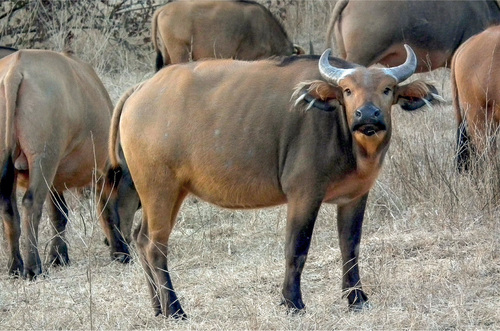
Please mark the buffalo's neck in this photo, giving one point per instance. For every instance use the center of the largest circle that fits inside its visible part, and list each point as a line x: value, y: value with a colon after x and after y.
x: 370, y: 151
x: 316, y: 143
x: 322, y: 149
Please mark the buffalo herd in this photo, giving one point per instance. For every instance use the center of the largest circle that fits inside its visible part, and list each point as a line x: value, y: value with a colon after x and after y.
x: 273, y: 126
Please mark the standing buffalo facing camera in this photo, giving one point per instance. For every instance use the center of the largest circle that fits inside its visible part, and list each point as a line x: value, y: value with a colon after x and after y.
x: 299, y: 131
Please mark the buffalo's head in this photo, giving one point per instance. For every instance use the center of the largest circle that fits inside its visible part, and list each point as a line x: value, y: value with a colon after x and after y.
x: 367, y: 95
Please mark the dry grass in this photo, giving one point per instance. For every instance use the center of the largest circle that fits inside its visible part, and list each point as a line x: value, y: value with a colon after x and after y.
x: 430, y: 253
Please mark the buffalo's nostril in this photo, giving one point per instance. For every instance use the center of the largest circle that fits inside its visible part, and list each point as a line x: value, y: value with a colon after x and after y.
x: 376, y: 113
x: 358, y: 113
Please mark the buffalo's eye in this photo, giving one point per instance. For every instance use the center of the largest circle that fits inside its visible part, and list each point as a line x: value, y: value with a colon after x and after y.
x: 387, y: 91
x: 347, y: 92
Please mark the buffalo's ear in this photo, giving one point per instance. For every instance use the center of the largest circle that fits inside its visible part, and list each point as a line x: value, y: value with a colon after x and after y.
x: 318, y: 94
x: 297, y: 50
x: 415, y: 95
x: 323, y: 91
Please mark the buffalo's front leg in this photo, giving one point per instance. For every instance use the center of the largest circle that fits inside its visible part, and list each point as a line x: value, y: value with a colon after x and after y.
x: 349, y: 222
x: 300, y: 223
x: 58, y: 209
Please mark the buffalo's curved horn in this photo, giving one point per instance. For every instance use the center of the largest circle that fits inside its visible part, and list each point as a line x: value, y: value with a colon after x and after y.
x: 330, y: 73
x: 405, y: 70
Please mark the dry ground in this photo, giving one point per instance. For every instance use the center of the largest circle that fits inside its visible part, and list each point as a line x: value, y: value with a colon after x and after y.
x: 430, y: 252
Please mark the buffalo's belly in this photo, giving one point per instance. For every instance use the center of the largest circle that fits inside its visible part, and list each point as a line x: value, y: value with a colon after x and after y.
x: 434, y: 58
x: 75, y: 170
x: 236, y: 190
x: 62, y: 181
x: 78, y: 169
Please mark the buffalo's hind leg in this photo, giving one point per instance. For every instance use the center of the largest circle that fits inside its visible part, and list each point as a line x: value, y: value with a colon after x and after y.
x: 349, y: 223
x: 141, y: 238
x: 160, y: 212
x: 10, y: 216
x: 42, y: 172
x: 32, y: 212
x: 58, y: 210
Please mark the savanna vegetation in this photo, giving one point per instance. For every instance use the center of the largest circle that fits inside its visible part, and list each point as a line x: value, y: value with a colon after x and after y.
x: 430, y: 252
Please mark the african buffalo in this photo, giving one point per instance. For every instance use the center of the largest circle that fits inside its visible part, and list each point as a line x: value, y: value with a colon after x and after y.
x: 368, y: 32
x: 476, y: 94
x: 241, y: 29
x: 55, y: 116
x: 4, y: 51
x: 267, y: 133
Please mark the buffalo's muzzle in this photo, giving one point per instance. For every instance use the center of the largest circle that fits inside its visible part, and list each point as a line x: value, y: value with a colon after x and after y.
x: 369, y: 120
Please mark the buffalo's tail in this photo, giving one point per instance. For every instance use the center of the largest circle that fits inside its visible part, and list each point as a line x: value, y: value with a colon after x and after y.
x: 9, y: 84
x: 154, y: 37
x: 337, y: 10
x: 464, y: 149
x: 114, y: 144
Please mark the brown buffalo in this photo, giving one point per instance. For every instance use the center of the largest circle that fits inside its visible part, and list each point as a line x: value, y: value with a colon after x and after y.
x: 368, y: 32
x: 266, y: 133
x: 55, y: 116
x: 193, y: 30
x: 476, y: 94
x: 4, y: 51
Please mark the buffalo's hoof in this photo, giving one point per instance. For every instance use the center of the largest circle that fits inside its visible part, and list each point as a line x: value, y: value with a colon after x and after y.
x: 179, y: 315
x: 32, y: 266
x: 294, y: 308
x: 175, y: 310
x: 358, y: 301
x: 32, y: 273
x: 58, y: 259
x: 295, y: 311
x: 360, y: 306
x: 121, y: 257
x: 58, y: 256
x: 16, y: 269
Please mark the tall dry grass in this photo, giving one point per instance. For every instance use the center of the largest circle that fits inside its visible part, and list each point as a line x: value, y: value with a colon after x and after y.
x: 430, y: 252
